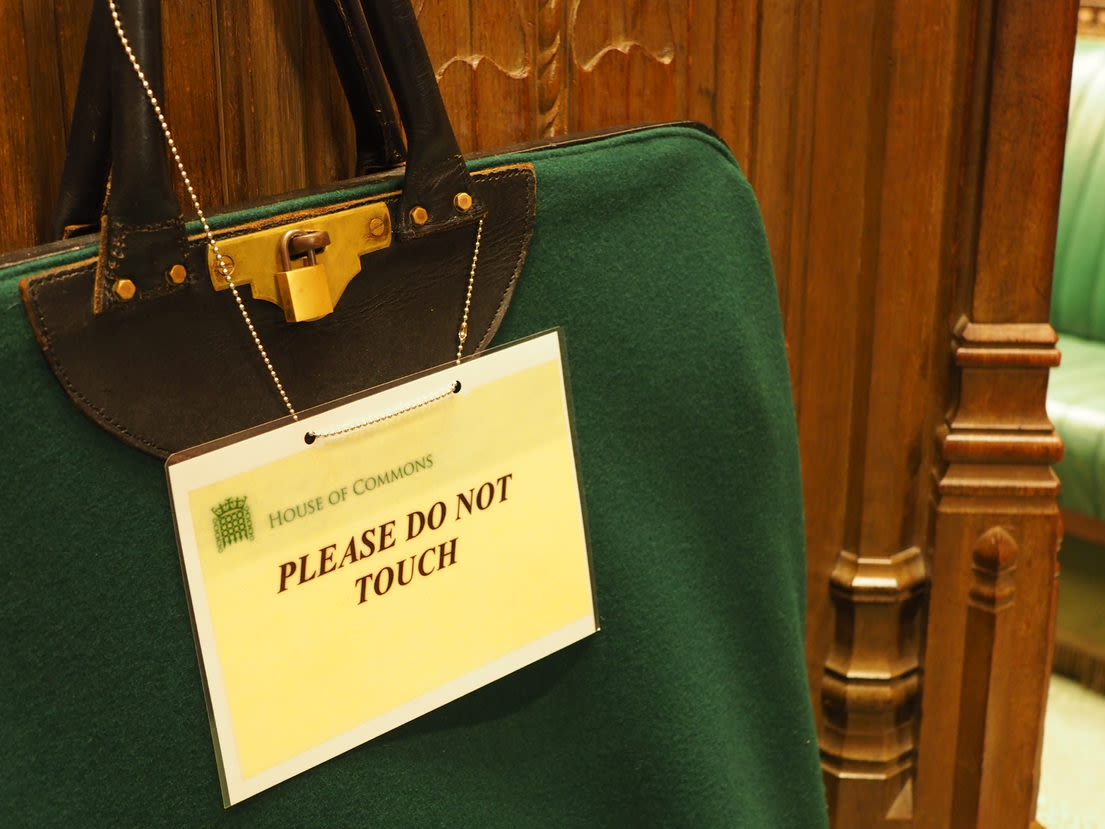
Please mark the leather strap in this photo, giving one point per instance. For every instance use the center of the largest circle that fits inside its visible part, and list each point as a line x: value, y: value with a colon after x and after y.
x: 378, y: 135
x: 436, y: 172
x: 140, y: 190
x: 88, y: 156
x: 142, y: 233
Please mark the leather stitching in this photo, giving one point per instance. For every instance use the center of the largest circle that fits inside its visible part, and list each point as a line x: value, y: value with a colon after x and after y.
x: 508, y: 292
x: 59, y: 369
x: 108, y: 263
x: 101, y: 416
x: 168, y: 224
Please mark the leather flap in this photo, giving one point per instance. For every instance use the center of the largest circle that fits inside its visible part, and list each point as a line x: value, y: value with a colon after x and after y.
x: 179, y: 368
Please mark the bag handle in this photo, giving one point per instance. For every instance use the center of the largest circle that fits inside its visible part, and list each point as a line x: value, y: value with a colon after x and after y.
x: 437, y: 190
x: 379, y: 140
x: 437, y: 179
x: 143, y: 245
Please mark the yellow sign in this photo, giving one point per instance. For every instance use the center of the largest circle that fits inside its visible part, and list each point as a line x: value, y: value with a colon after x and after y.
x: 393, y: 566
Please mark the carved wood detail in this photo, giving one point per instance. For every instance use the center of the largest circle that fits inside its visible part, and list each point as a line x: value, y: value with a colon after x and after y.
x: 872, y: 678
x: 997, y: 536
x: 483, y: 54
x: 998, y: 444
x: 990, y: 639
x: 597, y: 28
x: 931, y: 137
x: 551, y: 115
x: 495, y: 33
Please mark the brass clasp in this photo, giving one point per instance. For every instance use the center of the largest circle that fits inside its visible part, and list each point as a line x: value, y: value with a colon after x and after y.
x: 332, y: 245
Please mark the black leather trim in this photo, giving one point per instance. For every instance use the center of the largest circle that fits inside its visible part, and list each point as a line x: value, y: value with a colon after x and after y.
x: 88, y: 154
x: 435, y: 171
x: 142, y: 253
x: 516, y: 150
x: 141, y: 188
x: 180, y: 369
x: 142, y: 235
x: 379, y: 137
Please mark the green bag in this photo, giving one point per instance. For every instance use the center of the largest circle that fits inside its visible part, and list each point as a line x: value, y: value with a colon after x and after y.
x: 690, y: 708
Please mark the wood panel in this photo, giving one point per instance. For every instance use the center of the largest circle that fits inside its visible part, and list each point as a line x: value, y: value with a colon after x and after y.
x: 190, y: 77
x: 906, y: 156
x: 30, y: 76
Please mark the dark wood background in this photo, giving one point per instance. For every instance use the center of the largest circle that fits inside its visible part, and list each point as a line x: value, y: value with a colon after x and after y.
x: 906, y: 155
x: 255, y: 101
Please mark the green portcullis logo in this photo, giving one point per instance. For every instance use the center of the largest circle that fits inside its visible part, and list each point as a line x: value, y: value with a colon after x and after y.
x: 233, y: 523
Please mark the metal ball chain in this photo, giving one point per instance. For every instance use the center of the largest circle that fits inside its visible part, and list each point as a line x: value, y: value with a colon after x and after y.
x: 462, y: 334
x: 220, y: 261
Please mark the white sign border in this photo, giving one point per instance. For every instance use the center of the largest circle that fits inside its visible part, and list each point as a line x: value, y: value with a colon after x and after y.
x: 200, y: 467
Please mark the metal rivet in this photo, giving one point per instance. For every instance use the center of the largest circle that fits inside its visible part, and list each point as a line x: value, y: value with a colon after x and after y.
x: 228, y: 263
x: 462, y: 202
x: 177, y: 274
x: 419, y: 215
x: 377, y: 227
x: 125, y: 289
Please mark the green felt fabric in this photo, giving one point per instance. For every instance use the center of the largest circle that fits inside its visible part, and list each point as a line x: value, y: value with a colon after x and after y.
x: 690, y: 708
x: 1078, y: 304
x: 1076, y: 404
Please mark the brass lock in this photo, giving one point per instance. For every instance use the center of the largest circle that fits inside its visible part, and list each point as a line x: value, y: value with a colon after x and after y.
x: 265, y: 259
x: 305, y: 291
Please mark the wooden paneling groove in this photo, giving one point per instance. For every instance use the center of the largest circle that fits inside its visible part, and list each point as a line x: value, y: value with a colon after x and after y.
x: 753, y: 88
x: 220, y: 96
x: 39, y: 26
x: 59, y: 68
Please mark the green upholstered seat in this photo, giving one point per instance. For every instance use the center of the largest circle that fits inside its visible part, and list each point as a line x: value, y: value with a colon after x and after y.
x: 1078, y: 303
x: 1076, y: 404
x: 1076, y: 396
x: 690, y: 708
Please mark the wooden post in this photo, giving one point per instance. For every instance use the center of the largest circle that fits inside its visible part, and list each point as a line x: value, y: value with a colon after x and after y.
x: 991, y: 625
x: 942, y: 593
